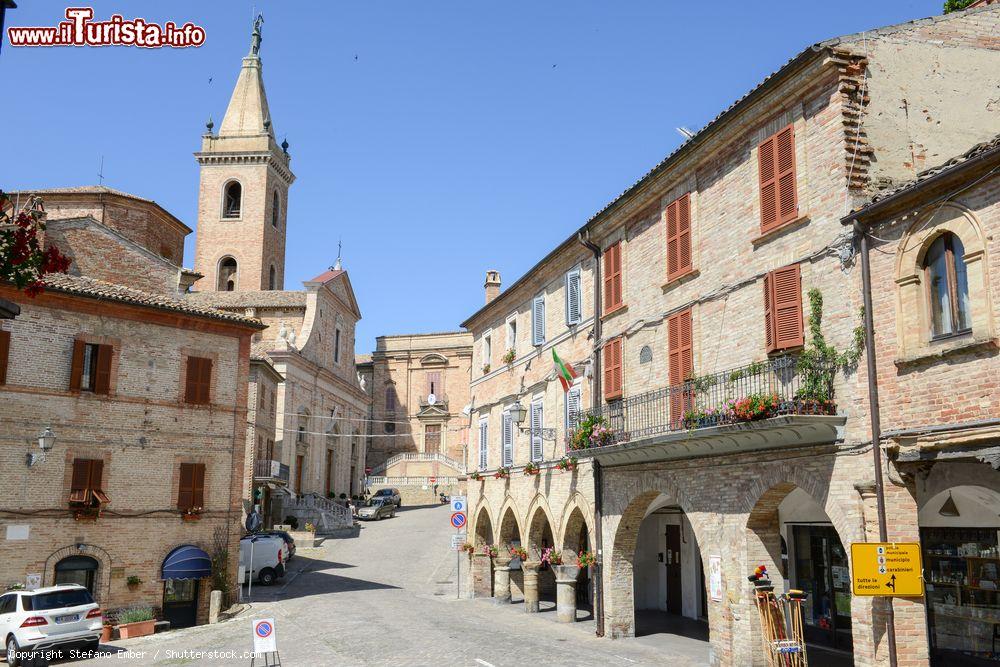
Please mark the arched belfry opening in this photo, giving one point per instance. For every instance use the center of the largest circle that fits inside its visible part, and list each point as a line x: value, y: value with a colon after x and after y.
x: 227, y: 275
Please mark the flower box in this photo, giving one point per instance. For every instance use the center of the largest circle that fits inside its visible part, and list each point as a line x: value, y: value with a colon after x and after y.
x: 138, y: 629
x: 190, y: 517
x: 106, y: 631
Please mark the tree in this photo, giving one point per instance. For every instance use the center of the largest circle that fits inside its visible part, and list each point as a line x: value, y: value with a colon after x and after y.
x: 956, y: 5
x: 23, y: 261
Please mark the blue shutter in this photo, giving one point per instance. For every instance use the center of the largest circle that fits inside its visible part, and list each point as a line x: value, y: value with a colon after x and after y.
x: 572, y: 409
x: 538, y: 320
x: 484, y: 432
x: 574, y: 307
x: 508, y: 440
x: 536, y: 431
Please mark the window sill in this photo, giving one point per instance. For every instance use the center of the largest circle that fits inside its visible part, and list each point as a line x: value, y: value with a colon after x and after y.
x: 775, y: 232
x: 680, y: 279
x: 621, y: 308
x: 947, y: 347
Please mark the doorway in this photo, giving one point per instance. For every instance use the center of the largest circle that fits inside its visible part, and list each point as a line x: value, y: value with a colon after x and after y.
x: 672, y: 554
x: 822, y: 571
x: 300, y: 463
x: 180, y: 602
x: 80, y: 570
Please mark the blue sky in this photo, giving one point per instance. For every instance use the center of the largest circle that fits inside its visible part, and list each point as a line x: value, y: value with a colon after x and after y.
x: 437, y: 138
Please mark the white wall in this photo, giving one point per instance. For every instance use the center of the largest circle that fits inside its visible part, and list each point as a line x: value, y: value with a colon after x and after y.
x: 650, y: 575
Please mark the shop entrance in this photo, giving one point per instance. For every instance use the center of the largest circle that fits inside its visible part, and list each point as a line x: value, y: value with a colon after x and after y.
x: 180, y: 602
x: 822, y: 570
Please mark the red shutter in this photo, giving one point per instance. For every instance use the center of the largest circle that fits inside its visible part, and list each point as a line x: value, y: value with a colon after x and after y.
x: 786, y: 307
x: 198, y: 382
x: 80, y: 484
x: 768, y: 313
x: 4, y: 354
x: 778, y: 196
x: 613, y: 369
x: 76, y: 368
x: 681, y: 363
x: 97, y: 481
x: 618, y: 279
x: 679, y: 237
x: 198, y: 486
x: 612, y: 277
x: 205, y: 382
x: 102, y: 373
x: 185, y: 487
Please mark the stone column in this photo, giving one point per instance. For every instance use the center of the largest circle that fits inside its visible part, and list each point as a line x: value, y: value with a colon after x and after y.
x: 530, y: 569
x: 566, y: 592
x: 501, y: 580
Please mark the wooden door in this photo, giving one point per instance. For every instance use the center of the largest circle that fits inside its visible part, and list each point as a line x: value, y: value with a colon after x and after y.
x: 672, y: 554
x: 300, y: 463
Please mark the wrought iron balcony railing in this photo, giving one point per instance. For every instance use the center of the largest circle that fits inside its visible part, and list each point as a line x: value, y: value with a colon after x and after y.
x: 268, y: 470
x: 776, y: 387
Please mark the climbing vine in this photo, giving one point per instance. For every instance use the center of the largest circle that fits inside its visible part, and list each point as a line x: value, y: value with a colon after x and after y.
x: 819, y: 361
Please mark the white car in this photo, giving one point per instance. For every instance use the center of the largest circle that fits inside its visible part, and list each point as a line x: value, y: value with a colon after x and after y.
x: 53, y: 618
x: 270, y: 553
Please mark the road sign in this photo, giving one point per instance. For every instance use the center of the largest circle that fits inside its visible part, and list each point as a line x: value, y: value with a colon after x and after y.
x: 457, y: 540
x: 458, y: 503
x: 887, y: 569
x: 457, y: 519
x: 264, y: 639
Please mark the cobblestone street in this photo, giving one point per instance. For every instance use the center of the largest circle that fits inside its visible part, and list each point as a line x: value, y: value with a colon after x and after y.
x: 387, y: 597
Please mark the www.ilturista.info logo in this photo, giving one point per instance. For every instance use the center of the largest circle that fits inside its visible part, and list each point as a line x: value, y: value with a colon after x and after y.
x: 80, y: 30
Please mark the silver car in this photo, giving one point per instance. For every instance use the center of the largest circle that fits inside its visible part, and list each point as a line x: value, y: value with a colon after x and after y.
x: 376, y: 509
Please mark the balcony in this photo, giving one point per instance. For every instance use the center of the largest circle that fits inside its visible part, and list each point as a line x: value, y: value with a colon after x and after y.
x: 764, y: 405
x: 265, y: 470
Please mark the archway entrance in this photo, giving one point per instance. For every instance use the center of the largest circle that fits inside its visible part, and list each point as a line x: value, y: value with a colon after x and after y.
x: 576, y: 539
x: 80, y: 570
x: 959, y: 520
x: 482, y: 566
x: 541, y: 540
x: 790, y: 533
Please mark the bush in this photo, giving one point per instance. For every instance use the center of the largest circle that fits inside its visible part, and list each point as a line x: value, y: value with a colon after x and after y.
x: 134, y: 615
x: 343, y: 496
x: 292, y: 521
x: 133, y: 580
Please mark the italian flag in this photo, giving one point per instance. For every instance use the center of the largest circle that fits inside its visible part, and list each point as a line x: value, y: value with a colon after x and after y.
x: 564, y: 371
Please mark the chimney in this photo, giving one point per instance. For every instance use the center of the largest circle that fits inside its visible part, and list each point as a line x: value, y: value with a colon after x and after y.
x: 492, y: 285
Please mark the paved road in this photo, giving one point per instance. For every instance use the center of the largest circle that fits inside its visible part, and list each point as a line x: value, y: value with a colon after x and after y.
x: 387, y: 597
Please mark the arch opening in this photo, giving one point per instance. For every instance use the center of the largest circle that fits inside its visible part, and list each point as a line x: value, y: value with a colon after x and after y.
x: 227, y: 275
x: 232, y: 200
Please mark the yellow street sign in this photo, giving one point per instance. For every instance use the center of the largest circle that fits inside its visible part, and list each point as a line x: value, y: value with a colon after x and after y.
x: 886, y: 568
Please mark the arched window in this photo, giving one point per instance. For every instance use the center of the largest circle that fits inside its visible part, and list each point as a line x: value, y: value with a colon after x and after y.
x: 272, y: 278
x: 232, y: 200
x: 275, y: 204
x: 947, y: 286
x: 227, y: 275
x: 77, y: 570
x: 303, y: 426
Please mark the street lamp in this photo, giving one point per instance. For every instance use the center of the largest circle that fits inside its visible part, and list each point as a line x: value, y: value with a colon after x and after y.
x: 46, y: 441
x: 517, y: 413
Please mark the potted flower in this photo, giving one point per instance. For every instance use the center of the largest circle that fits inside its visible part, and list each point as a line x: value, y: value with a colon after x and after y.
x: 87, y: 514
x: 486, y: 369
x: 135, y: 622
x: 133, y: 582
x: 567, y: 463
x: 562, y: 571
x: 519, y: 552
x: 468, y: 548
x: 192, y: 514
x: 754, y: 406
x: 310, y: 528
x: 593, y: 431
x: 107, y: 628
x: 502, y: 473
x: 531, y: 468
x: 508, y: 357
x: 550, y: 556
x: 586, y: 559
x: 475, y: 476
x: 490, y: 550
x: 702, y: 418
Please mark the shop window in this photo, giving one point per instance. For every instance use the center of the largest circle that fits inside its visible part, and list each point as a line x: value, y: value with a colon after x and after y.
x: 947, y: 286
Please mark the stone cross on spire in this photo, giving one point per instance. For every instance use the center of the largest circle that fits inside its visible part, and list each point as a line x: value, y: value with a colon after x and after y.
x: 256, y: 37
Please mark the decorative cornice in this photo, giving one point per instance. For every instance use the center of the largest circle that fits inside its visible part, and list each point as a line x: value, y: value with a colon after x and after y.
x: 246, y: 157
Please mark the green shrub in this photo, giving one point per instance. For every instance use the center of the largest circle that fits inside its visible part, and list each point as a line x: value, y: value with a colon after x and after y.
x: 134, y: 615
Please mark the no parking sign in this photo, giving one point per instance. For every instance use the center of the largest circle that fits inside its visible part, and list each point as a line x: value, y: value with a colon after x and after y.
x: 264, y: 638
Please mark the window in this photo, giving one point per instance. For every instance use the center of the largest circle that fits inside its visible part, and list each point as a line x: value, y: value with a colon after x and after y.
x: 272, y: 278
x: 198, y: 381
x: 336, y: 346
x: 86, y: 487
x: 613, y: 369
x: 484, y: 444
x: 487, y: 349
x: 512, y: 332
x: 275, y: 208
x: 947, y: 286
x: 432, y: 438
x: 783, y: 309
x: 507, y: 436
x: 679, y: 237
x: 613, y: 278
x: 91, y: 367
x: 227, y: 275
x: 538, y: 320
x: 8, y: 603
x: 537, y: 423
x: 4, y: 354
x: 574, y: 306
x: 434, y: 385
x: 776, y: 164
x: 390, y: 399
x: 80, y: 570
x: 232, y: 200
x: 572, y: 409
x: 680, y: 364
x: 191, y: 489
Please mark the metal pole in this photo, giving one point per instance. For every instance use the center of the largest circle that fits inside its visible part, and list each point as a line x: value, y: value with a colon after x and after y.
x: 250, y: 576
x: 458, y: 573
x: 873, y: 408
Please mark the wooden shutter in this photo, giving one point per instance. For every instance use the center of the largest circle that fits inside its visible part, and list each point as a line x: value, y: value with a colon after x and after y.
x: 537, y: 423
x: 185, y: 487
x: 574, y: 308
x: 783, y: 308
x: 198, y: 383
x: 102, y: 370
x: 508, y: 439
x: 97, y: 481
x: 434, y: 383
x: 613, y: 277
x: 613, y: 369
x: 680, y: 363
x: 538, y: 320
x: 4, y: 354
x: 198, y: 486
x: 778, y: 192
x: 679, y: 237
x: 76, y: 368
x: 80, y: 484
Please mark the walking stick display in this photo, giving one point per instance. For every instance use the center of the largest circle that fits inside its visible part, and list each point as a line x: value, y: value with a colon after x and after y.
x: 780, y: 622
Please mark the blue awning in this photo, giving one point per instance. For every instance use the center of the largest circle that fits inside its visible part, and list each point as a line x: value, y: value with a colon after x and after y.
x: 187, y: 562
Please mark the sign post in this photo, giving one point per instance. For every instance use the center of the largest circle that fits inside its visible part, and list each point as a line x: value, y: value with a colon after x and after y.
x: 265, y: 642
x: 886, y: 569
x: 458, y: 539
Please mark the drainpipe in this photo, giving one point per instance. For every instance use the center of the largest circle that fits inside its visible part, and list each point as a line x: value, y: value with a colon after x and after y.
x: 595, y: 401
x: 873, y: 408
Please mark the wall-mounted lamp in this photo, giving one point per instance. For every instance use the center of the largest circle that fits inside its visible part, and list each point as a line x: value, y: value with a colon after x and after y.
x: 518, y: 414
x: 46, y: 441
x: 948, y: 507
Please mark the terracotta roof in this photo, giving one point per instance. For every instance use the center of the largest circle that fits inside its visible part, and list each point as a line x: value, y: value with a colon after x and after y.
x: 360, y: 359
x: 98, y: 289
x: 326, y: 276
x: 97, y: 190
x: 259, y: 350
x: 255, y: 299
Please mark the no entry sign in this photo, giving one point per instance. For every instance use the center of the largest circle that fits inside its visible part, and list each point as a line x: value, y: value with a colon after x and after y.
x: 457, y: 519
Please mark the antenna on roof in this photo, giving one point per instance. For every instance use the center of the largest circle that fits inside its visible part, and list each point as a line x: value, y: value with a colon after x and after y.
x: 100, y: 173
x: 684, y: 132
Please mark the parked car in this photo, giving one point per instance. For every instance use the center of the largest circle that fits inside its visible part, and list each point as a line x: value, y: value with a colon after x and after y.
x: 392, y: 495
x: 55, y: 617
x: 270, y: 553
x: 376, y: 509
x: 289, y: 540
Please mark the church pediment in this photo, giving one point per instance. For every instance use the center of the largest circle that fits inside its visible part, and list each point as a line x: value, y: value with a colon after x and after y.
x: 433, y: 411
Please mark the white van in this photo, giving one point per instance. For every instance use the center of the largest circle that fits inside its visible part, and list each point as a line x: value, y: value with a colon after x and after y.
x: 270, y: 553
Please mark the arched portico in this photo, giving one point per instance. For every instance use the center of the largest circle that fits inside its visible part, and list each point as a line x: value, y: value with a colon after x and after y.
x: 482, y: 564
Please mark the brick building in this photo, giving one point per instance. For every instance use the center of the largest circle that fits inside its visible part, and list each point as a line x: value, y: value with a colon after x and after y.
x: 718, y: 271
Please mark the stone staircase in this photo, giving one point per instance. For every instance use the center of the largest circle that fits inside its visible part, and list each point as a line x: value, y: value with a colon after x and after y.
x: 327, y: 515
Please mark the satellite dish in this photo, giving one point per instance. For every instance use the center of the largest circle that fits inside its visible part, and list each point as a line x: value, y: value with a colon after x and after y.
x: 431, y: 399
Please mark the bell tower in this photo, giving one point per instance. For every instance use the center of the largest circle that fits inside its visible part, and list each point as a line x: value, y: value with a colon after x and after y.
x: 243, y: 190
